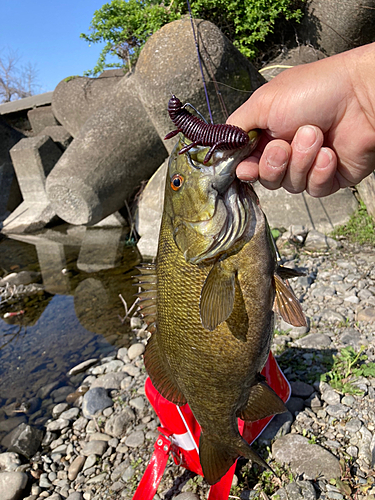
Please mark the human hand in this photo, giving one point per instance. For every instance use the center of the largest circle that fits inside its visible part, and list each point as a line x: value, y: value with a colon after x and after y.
x: 318, y: 123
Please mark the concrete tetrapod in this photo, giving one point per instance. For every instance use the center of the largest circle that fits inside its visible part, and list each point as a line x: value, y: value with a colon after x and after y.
x: 114, y: 151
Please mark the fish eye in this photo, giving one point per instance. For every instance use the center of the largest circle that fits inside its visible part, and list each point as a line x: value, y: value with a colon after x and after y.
x: 176, y: 182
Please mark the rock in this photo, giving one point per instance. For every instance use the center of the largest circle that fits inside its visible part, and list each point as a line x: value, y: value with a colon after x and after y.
x: 131, y: 370
x: 321, y: 214
x: 117, y: 424
x: 136, y: 350
x: 9, y: 462
x: 353, y: 425
x: 137, y: 403
x: 279, y: 426
x: 116, y: 134
x: 11, y: 423
x: 314, y: 340
x: 26, y: 440
x: 100, y: 436
x: 94, y: 448
x: 187, y: 495
x: 304, y: 458
x: 119, y: 470
x: 59, y: 395
x: 367, y: 315
x: 57, y: 425
x: 317, y: 241
x: 109, y: 381
x: 135, y: 439
x: 58, y: 409
x: 94, y: 400
x: 331, y: 397
x: 337, y: 410
x: 12, y: 485
x: 295, y: 404
x: 76, y: 495
x: 90, y: 462
x: 301, y: 389
x: 300, y: 490
x: 82, y: 367
x: 70, y: 414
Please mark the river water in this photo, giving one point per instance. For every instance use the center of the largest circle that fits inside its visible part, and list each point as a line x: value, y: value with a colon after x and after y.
x: 72, y: 313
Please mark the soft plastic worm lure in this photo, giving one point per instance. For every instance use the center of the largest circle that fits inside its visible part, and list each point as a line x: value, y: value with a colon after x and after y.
x: 217, y: 136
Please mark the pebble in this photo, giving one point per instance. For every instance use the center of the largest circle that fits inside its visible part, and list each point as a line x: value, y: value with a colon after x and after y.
x: 94, y: 448
x: 136, y: 350
x: 82, y: 367
x: 135, y: 439
x: 12, y: 485
x: 95, y: 400
x: 75, y: 467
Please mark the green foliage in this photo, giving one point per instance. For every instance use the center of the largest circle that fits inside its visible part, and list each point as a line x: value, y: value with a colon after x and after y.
x: 347, y: 365
x: 124, y: 26
x: 360, y: 227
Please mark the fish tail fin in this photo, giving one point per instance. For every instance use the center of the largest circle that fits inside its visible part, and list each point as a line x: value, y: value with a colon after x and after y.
x: 216, y: 457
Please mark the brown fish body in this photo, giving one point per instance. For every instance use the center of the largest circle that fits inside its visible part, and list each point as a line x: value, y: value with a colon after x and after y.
x: 195, y: 356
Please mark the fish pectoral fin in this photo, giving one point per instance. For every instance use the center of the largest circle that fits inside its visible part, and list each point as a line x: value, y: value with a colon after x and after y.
x: 217, y: 296
x: 287, y: 304
x: 263, y: 402
x: 160, y: 373
x: 217, y: 457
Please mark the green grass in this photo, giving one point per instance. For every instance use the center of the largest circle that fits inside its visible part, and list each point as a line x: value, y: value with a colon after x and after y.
x: 360, y: 227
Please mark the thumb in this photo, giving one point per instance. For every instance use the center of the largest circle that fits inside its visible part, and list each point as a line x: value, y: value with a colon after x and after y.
x: 253, y: 113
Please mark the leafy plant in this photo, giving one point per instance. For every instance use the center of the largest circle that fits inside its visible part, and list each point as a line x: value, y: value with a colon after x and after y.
x: 360, y: 228
x: 347, y: 365
x: 124, y: 26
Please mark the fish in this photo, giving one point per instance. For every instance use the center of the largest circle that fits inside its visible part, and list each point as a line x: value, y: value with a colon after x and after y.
x: 209, y: 301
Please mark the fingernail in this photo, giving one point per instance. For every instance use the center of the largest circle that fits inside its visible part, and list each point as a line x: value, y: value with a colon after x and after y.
x: 276, y: 157
x: 323, y: 159
x: 306, y: 137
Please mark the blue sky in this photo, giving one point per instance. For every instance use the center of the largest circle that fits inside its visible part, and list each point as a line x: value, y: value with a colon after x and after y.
x: 46, y: 34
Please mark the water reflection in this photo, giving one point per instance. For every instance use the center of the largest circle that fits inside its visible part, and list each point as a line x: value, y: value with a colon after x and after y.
x: 72, y: 314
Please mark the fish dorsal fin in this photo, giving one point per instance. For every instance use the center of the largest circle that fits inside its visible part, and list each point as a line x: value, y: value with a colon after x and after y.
x: 217, y: 296
x: 147, y: 280
x: 262, y: 402
x: 287, y: 304
x: 287, y: 272
x: 160, y: 373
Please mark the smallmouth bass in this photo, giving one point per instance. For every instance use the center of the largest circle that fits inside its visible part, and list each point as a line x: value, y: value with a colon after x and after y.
x: 209, y: 301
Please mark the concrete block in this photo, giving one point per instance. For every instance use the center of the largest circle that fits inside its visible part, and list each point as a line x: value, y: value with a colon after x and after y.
x: 168, y: 64
x: 323, y: 214
x: 40, y: 118
x: 115, y: 150
x: 10, y: 195
x: 149, y: 212
x: 335, y: 26
x: 59, y: 135
x: 33, y: 158
x: 76, y: 99
x: 366, y: 190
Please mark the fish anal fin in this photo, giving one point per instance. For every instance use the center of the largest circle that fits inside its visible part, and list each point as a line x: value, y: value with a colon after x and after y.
x: 263, y: 402
x: 287, y: 304
x: 217, y: 296
x: 217, y: 457
x: 160, y: 374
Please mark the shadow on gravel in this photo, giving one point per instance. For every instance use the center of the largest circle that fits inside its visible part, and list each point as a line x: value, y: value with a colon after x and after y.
x: 306, y: 364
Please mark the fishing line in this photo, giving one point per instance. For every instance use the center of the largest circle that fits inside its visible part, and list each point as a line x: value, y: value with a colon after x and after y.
x: 200, y: 62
